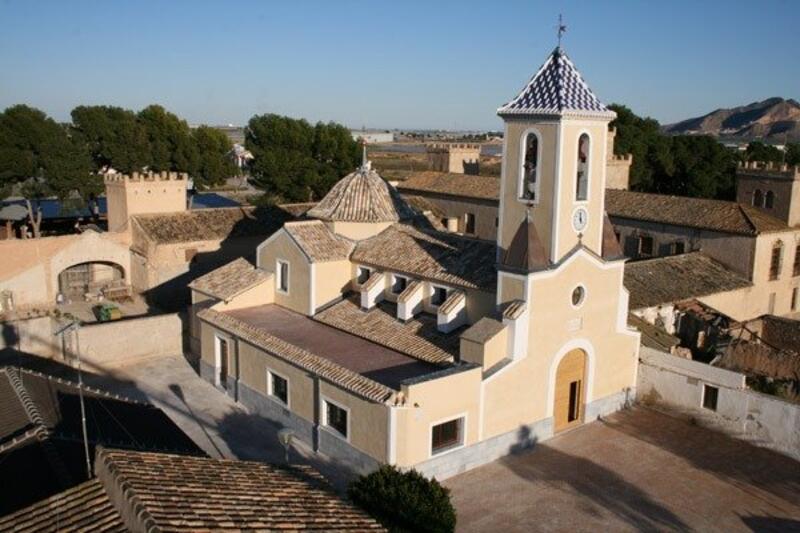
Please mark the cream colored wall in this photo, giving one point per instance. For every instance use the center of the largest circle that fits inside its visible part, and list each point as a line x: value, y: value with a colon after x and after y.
x: 479, y: 304
x: 369, y: 421
x: 486, y: 354
x: 281, y: 246
x: 520, y: 393
x: 432, y: 402
x: 510, y: 287
x: 513, y: 211
x: 358, y: 230
x: 127, y: 197
x: 261, y: 294
x: 331, y: 280
x: 781, y: 287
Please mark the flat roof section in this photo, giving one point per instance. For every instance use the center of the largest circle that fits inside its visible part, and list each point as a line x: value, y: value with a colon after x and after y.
x: 369, y: 359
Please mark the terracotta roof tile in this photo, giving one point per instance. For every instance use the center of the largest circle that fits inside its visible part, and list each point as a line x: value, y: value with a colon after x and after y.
x: 362, y: 196
x: 178, y: 493
x: 679, y: 277
x: 461, y: 185
x: 454, y: 298
x: 418, y: 337
x: 717, y: 215
x: 483, y: 330
x: 85, y: 507
x: 515, y: 309
x: 345, y: 378
x: 436, y: 256
x: 230, y: 280
x: 318, y: 242
x: 211, y: 224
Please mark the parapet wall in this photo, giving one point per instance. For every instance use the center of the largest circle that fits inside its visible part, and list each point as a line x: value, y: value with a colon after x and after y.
x: 146, y: 176
x: 453, y: 147
x: 770, y: 169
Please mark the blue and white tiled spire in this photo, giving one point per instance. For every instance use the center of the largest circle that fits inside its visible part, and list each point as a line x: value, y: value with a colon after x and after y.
x: 557, y: 89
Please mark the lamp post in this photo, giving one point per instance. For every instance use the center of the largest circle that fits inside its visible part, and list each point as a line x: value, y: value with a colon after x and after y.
x: 285, y: 437
x: 75, y: 325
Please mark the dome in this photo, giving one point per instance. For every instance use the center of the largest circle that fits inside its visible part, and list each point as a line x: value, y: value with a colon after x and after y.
x: 362, y: 196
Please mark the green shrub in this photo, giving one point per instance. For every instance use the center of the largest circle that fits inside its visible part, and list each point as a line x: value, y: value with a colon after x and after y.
x: 404, y: 501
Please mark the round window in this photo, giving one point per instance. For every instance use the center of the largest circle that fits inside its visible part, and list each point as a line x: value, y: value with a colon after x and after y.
x: 578, y: 295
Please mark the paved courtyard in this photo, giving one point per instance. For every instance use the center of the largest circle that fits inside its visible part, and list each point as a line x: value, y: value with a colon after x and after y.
x: 637, y: 470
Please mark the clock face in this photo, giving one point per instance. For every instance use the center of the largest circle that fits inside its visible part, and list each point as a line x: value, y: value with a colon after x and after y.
x: 579, y: 219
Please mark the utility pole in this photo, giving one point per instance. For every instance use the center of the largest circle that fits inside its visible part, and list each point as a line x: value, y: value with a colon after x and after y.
x: 74, y: 326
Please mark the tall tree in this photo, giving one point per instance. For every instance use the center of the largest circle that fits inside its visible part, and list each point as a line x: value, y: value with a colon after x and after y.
x: 37, y: 151
x: 214, y: 161
x: 170, y: 140
x: 113, y: 136
x: 297, y: 161
x: 758, y: 151
x: 793, y: 153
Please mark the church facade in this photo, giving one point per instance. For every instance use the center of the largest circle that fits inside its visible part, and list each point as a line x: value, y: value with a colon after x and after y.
x: 379, y: 339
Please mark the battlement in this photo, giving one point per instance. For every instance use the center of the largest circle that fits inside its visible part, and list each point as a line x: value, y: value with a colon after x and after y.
x: 769, y: 169
x: 453, y: 147
x: 624, y: 158
x: 146, y: 177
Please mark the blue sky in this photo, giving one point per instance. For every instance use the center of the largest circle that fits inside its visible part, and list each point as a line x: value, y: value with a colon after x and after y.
x: 409, y: 64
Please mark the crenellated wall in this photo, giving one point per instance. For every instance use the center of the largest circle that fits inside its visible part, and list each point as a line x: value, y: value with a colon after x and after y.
x: 140, y: 193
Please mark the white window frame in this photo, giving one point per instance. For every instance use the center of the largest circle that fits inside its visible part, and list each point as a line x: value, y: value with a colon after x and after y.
x: 394, y: 280
x: 433, y: 291
x: 583, y: 300
x: 324, y: 400
x: 450, y: 449
x: 279, y: 276
x: 521, y: 167
x: 218, y: 339
x: 270, y: 393
x: 588, y: 170
x: 359, y: 268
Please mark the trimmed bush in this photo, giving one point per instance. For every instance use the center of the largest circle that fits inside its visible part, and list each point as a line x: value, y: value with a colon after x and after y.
x: 404, y: 501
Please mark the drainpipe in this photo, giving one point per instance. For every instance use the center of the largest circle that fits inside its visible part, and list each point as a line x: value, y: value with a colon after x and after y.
x: 317, y: 415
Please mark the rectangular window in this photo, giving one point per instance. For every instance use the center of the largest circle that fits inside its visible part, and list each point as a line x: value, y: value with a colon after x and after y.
x: 363, y: 275
x: 796, y: 266
x: 710, y: 397
x: 438, y: 296
x: 795, y: 296
x: 469, y: 223
x: 678, y: 247
x: 447, y: 435
x: 645, y: 246
x: 278, y: 387
x: 283, y: 276
x: 399, y: 284
x: 336, y: 418
x: 775, y: 262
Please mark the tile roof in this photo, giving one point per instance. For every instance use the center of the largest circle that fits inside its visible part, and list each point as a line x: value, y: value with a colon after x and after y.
x: 453, y: 300
x: 362, y: 196
x: 557, y: 88
x: 230, y: 280
x: 461, y: 185
x: 317, y: 364
x: 444, y: 257
x: 717, y: 215
x: 525, y: 253
x: 653, y: 336
x: 483, y: 330
x: 178, y: 493
x: 670, y: 279
x: 515, y: 309
x: 419, y: 337
x: 85, y: 507
x: 211, y: 224
x: 423, y: 205
x: 318, y: 242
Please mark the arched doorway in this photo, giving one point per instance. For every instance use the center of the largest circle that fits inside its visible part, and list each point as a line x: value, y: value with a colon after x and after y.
x: 86, y: 278
x: 570, y: 391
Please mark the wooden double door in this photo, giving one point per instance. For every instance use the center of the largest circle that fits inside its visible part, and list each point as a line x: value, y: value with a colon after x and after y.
x: 570, y: 391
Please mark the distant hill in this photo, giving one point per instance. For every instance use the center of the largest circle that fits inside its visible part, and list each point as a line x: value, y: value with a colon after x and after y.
x: 770, y: 120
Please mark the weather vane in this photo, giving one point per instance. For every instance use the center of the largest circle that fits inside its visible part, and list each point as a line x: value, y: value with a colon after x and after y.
x: 562, y: 29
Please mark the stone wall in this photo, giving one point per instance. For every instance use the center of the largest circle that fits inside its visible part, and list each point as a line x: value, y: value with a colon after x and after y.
x: 679, y: 384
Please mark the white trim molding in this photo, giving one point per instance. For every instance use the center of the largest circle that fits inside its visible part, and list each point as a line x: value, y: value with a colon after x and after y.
x: 270, y: 392
x: 461, y: 416
x: 537, y: 197
x: 323, y: 410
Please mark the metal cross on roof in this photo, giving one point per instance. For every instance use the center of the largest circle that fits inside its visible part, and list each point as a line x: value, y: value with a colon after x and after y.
x: 562, y: 29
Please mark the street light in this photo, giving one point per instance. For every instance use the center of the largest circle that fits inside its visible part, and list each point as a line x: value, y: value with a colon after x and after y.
x: 75, y: 325
x: 285, y: 437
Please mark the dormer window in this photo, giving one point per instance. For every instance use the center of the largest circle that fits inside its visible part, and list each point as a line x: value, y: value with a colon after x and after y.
x: 399, y: 284
x: 363, y: 275
x: 530, y: 169
x: 438, y: 296
x: 582, y: 171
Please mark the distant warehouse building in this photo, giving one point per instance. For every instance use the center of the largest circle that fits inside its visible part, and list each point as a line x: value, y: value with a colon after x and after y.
x: 371, y: 136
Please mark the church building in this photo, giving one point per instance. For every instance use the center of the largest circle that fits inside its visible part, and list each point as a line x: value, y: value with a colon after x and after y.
x: 378, y: 339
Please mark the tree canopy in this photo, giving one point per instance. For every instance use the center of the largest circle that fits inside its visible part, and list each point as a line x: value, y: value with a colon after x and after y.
x: 684, y: 165
x: 296, y: 161
x: 35, y: 149
x: 114, y: 137
x: 213, y: 164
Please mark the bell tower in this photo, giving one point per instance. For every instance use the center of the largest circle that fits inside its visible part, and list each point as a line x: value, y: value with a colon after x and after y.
x: 554, y: 164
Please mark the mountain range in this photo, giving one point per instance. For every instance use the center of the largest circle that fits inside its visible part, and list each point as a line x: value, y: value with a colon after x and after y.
x: 773, y: 119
